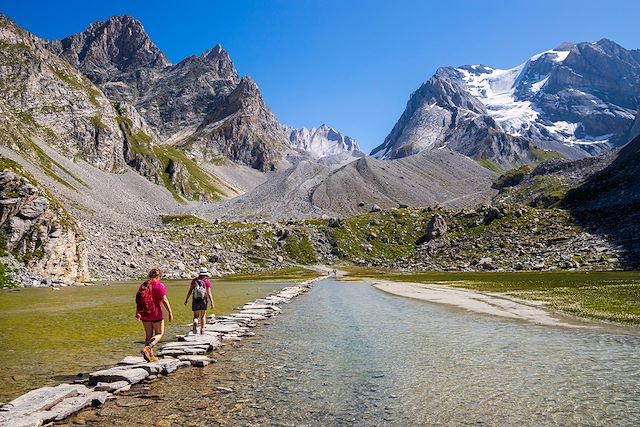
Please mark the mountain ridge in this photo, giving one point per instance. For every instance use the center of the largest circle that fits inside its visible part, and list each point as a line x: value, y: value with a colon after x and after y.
x: 566, y: 100
x: 179, y: 100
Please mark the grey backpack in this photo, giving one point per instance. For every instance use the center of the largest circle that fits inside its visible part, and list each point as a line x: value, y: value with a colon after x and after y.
x: 199, y: 290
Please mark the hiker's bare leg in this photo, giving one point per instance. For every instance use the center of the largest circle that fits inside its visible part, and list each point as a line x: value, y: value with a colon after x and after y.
x: 158, y: 332
x: 148, y: 331
x: 199, y: 315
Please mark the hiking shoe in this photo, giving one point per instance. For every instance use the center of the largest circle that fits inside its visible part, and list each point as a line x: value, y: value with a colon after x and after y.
x: 194, y: 326
x: 153, y: 357
x: 147, y: 353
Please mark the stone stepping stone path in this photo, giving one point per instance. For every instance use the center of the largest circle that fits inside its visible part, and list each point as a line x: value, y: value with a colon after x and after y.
x: 52, y: 404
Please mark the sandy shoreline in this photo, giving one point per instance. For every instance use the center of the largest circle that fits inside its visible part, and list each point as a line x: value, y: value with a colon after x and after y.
x: 472, y: 301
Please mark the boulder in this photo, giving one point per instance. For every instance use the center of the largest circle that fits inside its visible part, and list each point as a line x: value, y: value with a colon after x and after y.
x: 437, y: 227
x: 335, y: 222
x: 486, y: 263
x: 34, y: 208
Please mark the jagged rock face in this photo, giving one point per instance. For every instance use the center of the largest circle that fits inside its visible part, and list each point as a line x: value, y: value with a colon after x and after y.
x: 617, y: 185
x: 635, y: 128
x: 241, y: 128
x: 38, y: 231
x: 176, y: 99
x: 45, y: 98
x: 121, y: 58
x: 199, y: 104
x: 579, y: 99
x: 322, y: 142
x: 119, y: 45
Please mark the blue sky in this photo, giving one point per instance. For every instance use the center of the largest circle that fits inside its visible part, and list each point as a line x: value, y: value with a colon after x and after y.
x: 351, y: 64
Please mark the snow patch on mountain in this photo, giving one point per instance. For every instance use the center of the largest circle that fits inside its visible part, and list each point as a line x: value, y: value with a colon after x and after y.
x: 322, y: 142
x: 496, y: 90
x: 554, y: 55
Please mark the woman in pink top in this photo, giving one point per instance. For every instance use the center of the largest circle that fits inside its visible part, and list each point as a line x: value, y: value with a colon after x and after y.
x: 151, y: 296
x: 201, y: 290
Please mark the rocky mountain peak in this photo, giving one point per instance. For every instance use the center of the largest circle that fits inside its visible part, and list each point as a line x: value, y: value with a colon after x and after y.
x: 565, y: 46
x: 245, y: 99
x: 214, y: 52
x: 119, y: 44
x: 609, y: 45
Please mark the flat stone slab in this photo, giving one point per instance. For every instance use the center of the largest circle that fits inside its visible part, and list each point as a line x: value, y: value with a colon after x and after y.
x: 223, y: 327
x: 179, y: 345
x: 260, y: 311
x: 199, y: 361
x: 73, y: 404
x: 172, y: 352
x: 203, y: 339
x: 261, y: 307
x: 130, y: 375
x: 43, y: 398
x: 250, y: 316
x: 49, y: 404
x: 111, y: 387
x: 132, y: 360
x: 207, y: 332
x: 10, y: 419
x: 162, y: 366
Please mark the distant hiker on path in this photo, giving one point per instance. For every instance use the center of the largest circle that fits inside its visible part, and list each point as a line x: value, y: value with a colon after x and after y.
x: 201, y: 290
x: 149, y: 300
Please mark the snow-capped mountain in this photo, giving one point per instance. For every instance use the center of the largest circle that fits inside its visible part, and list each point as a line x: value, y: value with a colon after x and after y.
x: 322, y: 142
x: 578, y: 99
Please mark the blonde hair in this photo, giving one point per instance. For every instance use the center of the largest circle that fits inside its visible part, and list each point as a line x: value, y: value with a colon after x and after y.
x: 155, y: 273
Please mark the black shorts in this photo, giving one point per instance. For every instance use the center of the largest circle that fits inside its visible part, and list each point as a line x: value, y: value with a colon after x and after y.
x: 199, y: 304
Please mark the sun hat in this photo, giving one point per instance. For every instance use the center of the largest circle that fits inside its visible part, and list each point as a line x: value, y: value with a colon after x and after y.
x: 204, y: 272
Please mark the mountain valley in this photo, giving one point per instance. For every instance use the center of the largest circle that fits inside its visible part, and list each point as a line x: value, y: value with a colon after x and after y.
x: 114, y: 159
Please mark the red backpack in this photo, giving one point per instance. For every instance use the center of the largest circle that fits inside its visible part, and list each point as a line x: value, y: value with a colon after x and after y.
x: 144, y: 300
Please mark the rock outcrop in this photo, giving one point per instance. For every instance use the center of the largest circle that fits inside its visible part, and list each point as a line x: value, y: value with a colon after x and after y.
x: 46, y: 99
x: 37, y: 230
x: 241, y: 128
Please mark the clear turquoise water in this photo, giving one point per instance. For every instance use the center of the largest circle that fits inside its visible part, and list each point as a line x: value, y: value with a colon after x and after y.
x: 347, y: 354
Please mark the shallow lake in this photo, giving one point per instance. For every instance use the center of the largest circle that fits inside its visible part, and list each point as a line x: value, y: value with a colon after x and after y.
x: 48, y: 336
x: 348, y: 354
